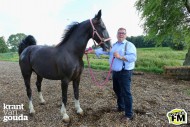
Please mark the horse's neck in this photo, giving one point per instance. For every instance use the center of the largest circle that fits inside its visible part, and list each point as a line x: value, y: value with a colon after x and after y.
x: 78, y: 40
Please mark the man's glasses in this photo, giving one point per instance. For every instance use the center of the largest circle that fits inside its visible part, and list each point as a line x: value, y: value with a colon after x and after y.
x: 121, y: 33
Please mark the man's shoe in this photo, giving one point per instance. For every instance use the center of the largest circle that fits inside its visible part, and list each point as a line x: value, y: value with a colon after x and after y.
x: 125, y: 119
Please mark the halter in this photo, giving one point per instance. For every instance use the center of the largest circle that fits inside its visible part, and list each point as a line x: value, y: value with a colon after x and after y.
x: 90, y: 70
x: 102, y: 40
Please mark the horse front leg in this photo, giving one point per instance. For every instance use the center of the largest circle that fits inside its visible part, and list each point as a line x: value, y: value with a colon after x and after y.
x: 76, y: 95
x: 64, y: 87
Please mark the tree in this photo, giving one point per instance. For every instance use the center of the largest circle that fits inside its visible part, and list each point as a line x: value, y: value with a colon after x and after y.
x: 14, y: 40
x: 166, y: 18
x: 3, y: 46
x: 141, y: 42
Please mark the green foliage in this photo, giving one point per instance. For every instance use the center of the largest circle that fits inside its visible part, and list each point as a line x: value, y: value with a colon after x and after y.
x: 180, y: 45
x: 3, y: 46
x: 140, y: 41
x: 164, y: 18
x: 14, y: 40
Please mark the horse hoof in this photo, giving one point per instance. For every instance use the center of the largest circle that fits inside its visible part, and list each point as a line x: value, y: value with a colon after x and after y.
x: 66, y: 120
x: 42, y: 103
x: 80, y: 113
x: 32, y: 113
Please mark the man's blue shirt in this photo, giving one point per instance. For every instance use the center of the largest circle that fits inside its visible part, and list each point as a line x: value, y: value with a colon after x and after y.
x: 130, y: 56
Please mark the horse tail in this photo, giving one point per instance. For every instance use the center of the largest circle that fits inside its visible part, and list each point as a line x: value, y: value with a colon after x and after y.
x: 27, y: 41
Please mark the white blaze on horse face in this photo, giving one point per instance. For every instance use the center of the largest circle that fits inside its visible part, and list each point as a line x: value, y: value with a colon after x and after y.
x: 63, y: 112
x: 41, y: 98
x: 31, y: 107
x: 77, y: 107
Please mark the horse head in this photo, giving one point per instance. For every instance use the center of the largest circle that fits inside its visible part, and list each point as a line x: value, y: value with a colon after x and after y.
x: 100, y: 33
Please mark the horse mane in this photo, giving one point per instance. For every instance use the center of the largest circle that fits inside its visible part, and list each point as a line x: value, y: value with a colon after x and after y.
x: 67, y: 32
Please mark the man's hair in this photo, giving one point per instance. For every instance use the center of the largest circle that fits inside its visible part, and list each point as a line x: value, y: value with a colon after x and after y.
x: 121, y: 28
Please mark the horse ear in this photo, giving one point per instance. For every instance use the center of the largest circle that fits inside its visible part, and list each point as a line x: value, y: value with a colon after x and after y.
x: 98, y: 16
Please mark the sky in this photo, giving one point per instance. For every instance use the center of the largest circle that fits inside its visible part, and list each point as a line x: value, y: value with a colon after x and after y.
x: 47, y: 19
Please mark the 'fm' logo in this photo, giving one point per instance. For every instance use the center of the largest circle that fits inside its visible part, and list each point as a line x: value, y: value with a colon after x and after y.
x: 177, y: 116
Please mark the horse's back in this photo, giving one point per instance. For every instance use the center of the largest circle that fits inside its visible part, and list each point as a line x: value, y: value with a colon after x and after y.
x: 50, y: 63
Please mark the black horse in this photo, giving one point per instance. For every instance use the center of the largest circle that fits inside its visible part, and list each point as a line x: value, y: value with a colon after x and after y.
x: 62, y: 62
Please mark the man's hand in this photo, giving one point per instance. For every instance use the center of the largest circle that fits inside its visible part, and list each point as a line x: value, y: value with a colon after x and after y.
x: 116, y: 55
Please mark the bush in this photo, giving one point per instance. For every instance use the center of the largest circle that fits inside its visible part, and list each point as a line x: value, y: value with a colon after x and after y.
x: 180, y: 45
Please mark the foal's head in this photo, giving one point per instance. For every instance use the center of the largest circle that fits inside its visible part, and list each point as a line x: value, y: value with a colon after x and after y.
x: 100, y: 33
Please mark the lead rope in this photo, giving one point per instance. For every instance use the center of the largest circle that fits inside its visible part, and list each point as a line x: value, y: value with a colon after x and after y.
x: 92, y: 74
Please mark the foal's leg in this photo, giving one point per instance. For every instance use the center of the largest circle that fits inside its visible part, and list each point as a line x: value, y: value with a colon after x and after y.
x: 38, y: 85
x: 64, y: 87
x: 27, y: 77
x: 76, y: 95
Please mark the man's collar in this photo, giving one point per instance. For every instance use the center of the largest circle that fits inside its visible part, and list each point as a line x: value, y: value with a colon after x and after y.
x: 122, y: 42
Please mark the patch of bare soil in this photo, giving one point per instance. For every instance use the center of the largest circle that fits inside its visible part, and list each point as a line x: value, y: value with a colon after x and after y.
x: 153, y: 97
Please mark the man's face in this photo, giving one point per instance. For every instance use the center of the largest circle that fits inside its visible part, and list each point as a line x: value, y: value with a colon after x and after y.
x: 121, y: 35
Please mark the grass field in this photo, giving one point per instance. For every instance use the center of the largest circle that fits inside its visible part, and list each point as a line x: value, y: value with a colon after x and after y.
x: 154, y: 59
x: 149, y: 59
x: 11, y: 56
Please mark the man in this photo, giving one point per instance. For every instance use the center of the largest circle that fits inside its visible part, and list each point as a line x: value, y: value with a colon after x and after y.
x: 124, y: 54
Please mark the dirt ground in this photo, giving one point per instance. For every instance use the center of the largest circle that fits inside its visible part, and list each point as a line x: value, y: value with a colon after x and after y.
x: 153, y: 97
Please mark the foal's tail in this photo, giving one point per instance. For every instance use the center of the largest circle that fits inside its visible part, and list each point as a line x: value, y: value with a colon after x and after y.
x: 29, y: 40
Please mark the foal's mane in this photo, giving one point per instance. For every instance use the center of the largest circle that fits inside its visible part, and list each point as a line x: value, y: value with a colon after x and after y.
x: 67, y: 32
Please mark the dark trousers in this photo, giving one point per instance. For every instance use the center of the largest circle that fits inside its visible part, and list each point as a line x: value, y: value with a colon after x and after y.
x: 122, y: 89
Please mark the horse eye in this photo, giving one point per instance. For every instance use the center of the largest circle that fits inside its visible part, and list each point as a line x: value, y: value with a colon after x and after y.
x: 103, y: 28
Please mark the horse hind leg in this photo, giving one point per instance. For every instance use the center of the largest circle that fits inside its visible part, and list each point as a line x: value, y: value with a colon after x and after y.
x: 38, y: 85
x: 27, y: 77
x: 64, y: 87
x: 76, y: 95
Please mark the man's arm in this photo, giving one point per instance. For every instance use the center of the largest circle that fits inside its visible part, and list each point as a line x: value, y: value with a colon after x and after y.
x: 98, y: 52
